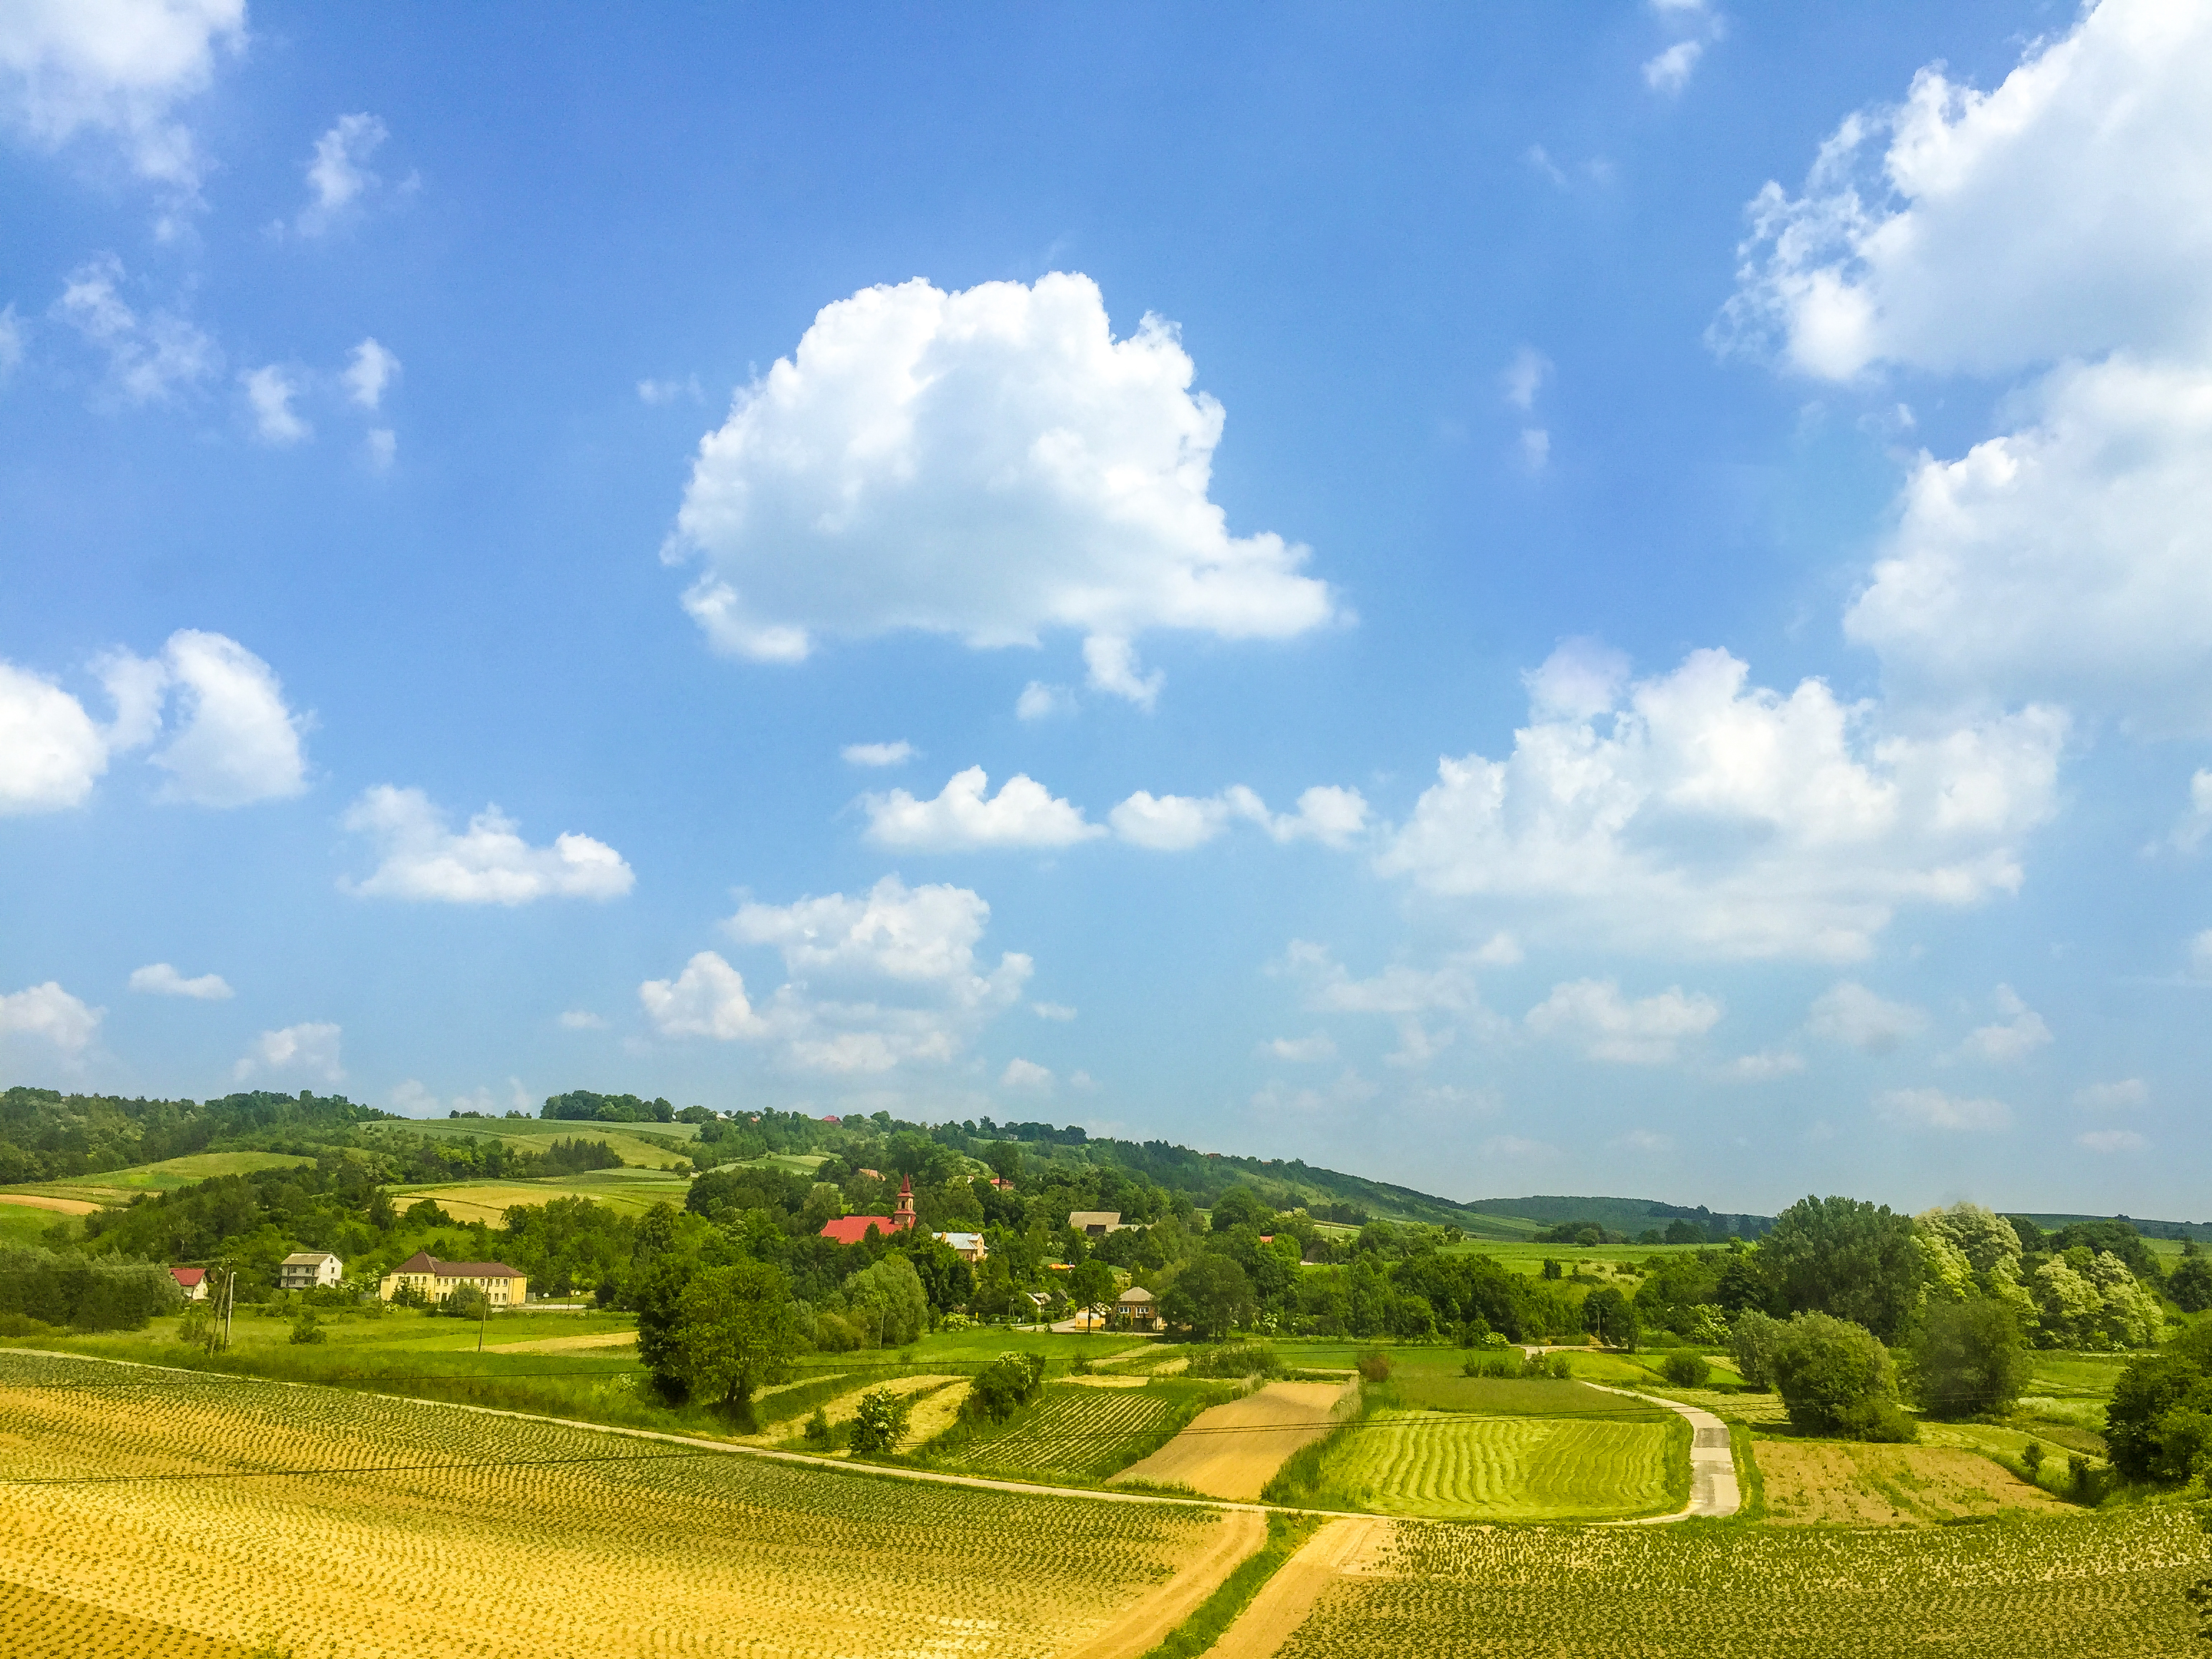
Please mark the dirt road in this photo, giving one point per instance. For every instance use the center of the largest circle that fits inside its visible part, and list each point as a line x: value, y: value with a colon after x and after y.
x: 1342, y: 1546
x: 1712, y: 1464
x: 1144, y: 1626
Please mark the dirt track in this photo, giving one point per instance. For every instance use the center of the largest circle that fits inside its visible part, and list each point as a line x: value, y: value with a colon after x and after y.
x: 1339, y: 1547
x: 1145, y: 1625
x: 1232, y: 1451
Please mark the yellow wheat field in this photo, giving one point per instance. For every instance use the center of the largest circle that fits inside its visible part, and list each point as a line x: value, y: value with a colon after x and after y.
x: 380, y: 1529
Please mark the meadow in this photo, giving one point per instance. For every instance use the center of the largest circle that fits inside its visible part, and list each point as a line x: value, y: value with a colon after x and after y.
x: 2085, y: 1586
x: 1454, y: 1466
x: 121, y: 1186
x: 143, y: 1495
x: 630, y: 1191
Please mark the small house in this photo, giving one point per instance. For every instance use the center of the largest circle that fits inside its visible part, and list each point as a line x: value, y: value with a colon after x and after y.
x: 968, y: 1247
x: 1134, y: 1309
x: 1095, y: 1224
x: 309, y: 1270
x: 192, y: 1281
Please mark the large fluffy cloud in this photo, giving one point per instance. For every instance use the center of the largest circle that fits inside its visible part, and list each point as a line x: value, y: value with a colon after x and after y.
x: 872, y: 982
x: 488, y: 863
x: 965, y: 816
x: 114, y: 66
x: 2064, y: 213
x: 309, y: 1049
x: 992, y: 465
x: 2058, y: 226
x: 49, y: 1012
x: 235, y: 741
x: 1696, y: 814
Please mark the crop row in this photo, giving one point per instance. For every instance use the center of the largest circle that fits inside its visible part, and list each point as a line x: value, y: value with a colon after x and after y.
x: 1443, y: 1464
x: 2080, y: 1586
x: 1077, y: 1431
x: 423, y: 1516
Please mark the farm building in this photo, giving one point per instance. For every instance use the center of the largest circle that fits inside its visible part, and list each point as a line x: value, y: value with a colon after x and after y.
x: 436, y: 1280
x: 1096, y: 1224
x: 308, y: 1270
x: 968, y: 1247
x: 1136, y: 1310
x: 192, y: 1281
x: 852, y: 1229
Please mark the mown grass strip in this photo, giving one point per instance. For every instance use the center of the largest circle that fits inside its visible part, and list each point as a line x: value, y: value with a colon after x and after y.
x: 1751, y: 1485
x: 1287, y: 1537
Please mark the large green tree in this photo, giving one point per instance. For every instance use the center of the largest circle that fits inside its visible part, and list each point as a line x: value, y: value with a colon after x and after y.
x: 1212, y: 1295
x: 735, y: 1329
x: 1969, y: 1359
x: 1847, y: 1258
x: 1835, y: 1378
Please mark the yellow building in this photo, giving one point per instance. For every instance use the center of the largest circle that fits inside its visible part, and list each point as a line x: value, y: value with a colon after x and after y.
x: 435, y: 1280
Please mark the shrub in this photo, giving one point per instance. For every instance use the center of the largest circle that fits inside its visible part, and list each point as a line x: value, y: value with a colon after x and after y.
x: 1001, y: 1388
x: 879, y: 1422
x: 2159, y: 1424
x: 308, y: 1328
x: 1374, y: 1365
x: 99, y: 1293
x: 817, y: 1430
x: 1238, y: 1359
x: 1836, y: 1379
x: 1686, y: 1369
x: 1752, y: 1337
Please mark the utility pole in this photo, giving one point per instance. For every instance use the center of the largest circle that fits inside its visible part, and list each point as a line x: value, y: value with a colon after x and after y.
x: 229, y: 1299
x: 483, y: 1313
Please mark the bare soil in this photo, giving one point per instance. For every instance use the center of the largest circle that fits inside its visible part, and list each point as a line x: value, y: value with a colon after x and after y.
x: 1340, y: 1548
x: 1232, y: 1451
x: 1810, y: 1482
x: 1146, y: 1625
x: 40, y: 1201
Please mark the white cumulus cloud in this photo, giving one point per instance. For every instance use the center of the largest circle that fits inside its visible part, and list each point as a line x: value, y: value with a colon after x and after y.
x: 160, y: 979
x: 1026, y: 1074
x: 873, y: 982
x: 1640, y: 1031
x: 338, y: 175
x: 1172, y: 823
x: 488, y: 863
x: 1300, y: 1051
x: 1847, y: 1012
x: 49, y: 1012
x: 309, y: 1050
x: 149, y: 358
x: 582, y: 1019
x: 370, y: 371
x: 235, y: 740
x: 963, y: 817
x: 878, y: 754
x: 270, y: 391
x: 2196, y: 822
x: 117, y: 67
x: 1932, y: 1108
x: 1669, y: 71
x: 990, y: 465
x: 1699, y: 814
x: 2111, y: 1140
x: 2012, y: 1039
x: 2124, y: 1096
x: 707, y: 999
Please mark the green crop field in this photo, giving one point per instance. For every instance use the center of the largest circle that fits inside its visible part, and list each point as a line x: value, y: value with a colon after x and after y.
x: 1448, y: 1466
x: 2079, y: 1587
x: 631, y: 1142
x: 20, y: 1224
x: 120, y: 1186
x: 146, y: 1496
x: 1078, y: 1432
x: 631, y: 1191
x: 1494, y: 1396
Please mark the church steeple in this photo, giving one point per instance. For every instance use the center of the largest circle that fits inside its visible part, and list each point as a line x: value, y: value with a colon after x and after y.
x: 902, y: 1218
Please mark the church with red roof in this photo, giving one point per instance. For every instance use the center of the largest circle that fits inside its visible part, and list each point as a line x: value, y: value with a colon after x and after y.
x: 853, y: 1229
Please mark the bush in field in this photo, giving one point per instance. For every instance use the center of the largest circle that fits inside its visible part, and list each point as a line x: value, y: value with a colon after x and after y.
x: 1611, y: 1317
x: 2189, y: 1284
x: 1969, y: 1359
x: 1238, y: 1359
x: 1003, y: 1387
x: 1374, y: 1365
x: 308, y: 1329
x: 1752, y: 1336
x: 1836, y: 1379
x: 879, y: 1422
x: 2159, y: 1424
x: 817, y: 1430
x: 464, y: 1301
x: 1686, y: 1369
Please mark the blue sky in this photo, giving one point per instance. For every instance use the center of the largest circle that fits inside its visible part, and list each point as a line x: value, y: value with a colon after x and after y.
x: 1510, y: 600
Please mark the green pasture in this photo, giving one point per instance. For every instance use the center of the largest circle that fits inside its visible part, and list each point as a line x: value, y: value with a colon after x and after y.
x: 120, y: 1186
x: 633, y: 1192
x: 1523, y: 1257
x: 1456, y: 1465
x: 626, y: 1141
x: 1495, y: 1396
x: 20, y: 1224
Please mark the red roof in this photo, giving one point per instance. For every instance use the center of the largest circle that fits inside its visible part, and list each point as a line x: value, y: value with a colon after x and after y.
x: 853, y: 1229
x: 188, y: 1277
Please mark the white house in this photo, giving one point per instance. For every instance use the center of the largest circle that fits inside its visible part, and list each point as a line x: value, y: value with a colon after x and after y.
x: 968, y: 1247
x: 308, y: 1270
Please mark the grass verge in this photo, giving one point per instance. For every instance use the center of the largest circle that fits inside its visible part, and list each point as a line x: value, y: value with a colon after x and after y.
x: 1751, y: 1485
x: 1286, y: 1536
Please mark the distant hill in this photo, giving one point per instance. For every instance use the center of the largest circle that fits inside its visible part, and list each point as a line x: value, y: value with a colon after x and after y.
x: 1621, y: 1215
x: 2051, y: 1224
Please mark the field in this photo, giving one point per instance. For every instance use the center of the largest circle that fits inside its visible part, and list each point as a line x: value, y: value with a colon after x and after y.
x: 1527, y: 1258
x: 629, y: 1141
x: 1076, y: 1433
x: 1449, y: 1466
x: 2081, y: 1587
x: 633, y: 1192
x: 1495, y: 1396
x: 121, y: 1186
x: 1232, y: 1451
x: 437, y: 1531
x: 1810, y: 1481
